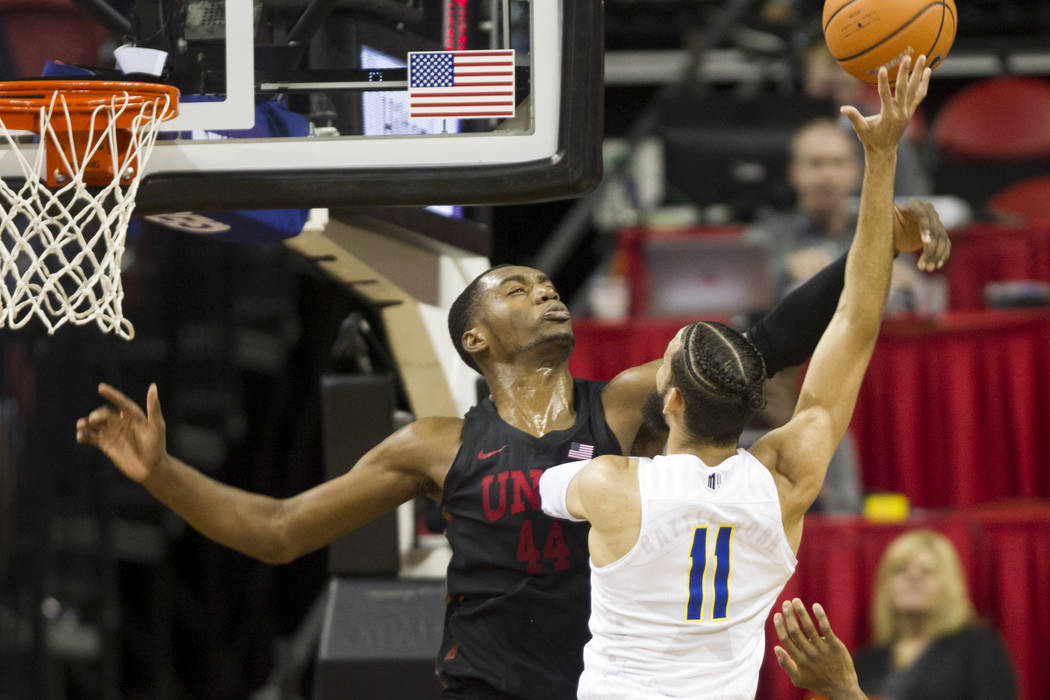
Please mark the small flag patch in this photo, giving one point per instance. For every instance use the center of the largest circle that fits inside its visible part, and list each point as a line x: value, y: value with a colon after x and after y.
x: 581, y: 451
x: 461, y: 84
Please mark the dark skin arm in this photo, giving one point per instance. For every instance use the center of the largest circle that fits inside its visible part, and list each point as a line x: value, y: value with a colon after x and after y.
x: 411, y: 461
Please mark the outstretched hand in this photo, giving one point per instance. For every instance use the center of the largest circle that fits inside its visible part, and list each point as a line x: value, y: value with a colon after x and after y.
x: 133, y: 440
x: 817, y: 661
x: 884, y: 130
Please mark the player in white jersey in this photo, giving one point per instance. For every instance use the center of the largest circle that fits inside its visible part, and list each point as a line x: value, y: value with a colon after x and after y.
x: 690, y: 550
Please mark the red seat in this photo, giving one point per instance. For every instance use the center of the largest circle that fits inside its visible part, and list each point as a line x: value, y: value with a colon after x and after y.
x: 999, y: 118
x: 1029, y: 199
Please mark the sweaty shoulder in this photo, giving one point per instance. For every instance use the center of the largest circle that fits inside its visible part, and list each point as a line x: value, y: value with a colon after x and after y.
x: 427, y: 446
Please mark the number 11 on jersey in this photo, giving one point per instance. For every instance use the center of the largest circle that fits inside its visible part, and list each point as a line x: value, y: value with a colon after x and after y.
x: 694, y: 610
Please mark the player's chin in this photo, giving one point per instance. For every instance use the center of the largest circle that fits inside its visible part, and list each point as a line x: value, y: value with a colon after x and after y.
x: 563, y: 332
x: 557, y: 336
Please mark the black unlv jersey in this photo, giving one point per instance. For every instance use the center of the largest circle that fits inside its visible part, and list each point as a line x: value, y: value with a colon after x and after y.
x: 519, y: 581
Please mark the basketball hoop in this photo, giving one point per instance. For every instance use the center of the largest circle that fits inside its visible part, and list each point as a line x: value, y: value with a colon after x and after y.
x: 62, y: 231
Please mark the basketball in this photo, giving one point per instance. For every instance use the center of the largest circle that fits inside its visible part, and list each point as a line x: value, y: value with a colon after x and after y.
x: 864, y: 35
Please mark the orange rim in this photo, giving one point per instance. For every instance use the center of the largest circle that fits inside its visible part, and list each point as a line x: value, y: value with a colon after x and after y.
x: 21, y: 102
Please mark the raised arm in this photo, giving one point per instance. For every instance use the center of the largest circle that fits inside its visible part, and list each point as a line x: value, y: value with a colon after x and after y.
x: 800, y: 451
x: 410, y: 461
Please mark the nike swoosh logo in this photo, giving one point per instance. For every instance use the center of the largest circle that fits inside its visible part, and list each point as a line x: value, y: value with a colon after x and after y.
x: 485, y: 455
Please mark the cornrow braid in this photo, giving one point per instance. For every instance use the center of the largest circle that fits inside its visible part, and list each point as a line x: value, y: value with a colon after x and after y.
x: 720, y: 375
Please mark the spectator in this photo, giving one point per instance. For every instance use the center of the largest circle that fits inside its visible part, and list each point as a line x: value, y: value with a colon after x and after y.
x: 928, y: 642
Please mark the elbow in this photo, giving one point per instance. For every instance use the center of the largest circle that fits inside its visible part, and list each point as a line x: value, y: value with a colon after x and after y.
x: 279, y: 547
x: 275, y: 556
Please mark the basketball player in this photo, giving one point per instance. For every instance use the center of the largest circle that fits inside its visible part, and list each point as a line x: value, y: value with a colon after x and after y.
x: 518, y: 589
x: 689, y: 550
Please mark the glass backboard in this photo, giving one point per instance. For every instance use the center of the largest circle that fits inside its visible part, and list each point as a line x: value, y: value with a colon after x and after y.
x: 307, y: 103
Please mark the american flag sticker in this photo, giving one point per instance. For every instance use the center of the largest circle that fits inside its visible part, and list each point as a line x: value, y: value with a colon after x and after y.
x: 578, y: 450
x: 461, y: 84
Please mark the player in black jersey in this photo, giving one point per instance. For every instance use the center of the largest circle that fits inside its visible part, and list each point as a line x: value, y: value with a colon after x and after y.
x: 518, y: 583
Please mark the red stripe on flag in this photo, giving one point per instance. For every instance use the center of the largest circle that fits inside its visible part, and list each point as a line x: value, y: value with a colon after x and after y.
x: 500, y: 103
x: 488, y: 84
x: 413, y: 115
x: 484, y: 63
x: 462, y: 94
x: 467, y: 54
x: 466, y: 74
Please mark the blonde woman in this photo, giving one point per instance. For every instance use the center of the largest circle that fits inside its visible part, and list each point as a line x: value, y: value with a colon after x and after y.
x: 928, y: 642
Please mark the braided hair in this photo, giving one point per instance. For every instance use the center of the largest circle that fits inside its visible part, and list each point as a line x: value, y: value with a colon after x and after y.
x: 720, y: 376
x: 462, y: 312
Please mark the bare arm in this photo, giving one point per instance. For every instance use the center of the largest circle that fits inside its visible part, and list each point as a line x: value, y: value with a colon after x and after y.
x: 270, y: 529
x: 799, y: 452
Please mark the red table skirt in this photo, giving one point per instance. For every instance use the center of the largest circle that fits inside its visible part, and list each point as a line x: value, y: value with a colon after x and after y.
x: 1005, y: 553
x: 984, y: 253
x: 953, y: 411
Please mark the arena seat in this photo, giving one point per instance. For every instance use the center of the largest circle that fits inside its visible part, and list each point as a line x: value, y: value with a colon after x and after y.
x: 1028, y: 199
x: 1006, y: 118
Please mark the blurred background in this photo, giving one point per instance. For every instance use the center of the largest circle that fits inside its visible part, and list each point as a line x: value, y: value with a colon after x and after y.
x: 729, y: 179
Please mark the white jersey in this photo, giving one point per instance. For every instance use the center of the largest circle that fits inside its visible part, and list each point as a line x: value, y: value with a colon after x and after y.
x: 682, y: 614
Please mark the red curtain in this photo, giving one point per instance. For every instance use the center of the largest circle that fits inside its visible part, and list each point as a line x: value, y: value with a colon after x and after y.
x: 1006, y: 555
x: 956, y: 411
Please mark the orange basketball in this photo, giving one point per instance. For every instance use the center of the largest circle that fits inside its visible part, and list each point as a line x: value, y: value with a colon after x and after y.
x: 864, y: 35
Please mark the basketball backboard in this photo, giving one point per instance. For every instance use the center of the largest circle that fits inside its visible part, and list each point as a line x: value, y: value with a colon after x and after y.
x: 306, y: 103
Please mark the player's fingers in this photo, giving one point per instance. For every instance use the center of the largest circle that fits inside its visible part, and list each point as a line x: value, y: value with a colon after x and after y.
x: 804, y: 620
x: 945, y: 253
x: 153, y: 405
x: 855, y: 118
x: 785, y: 661
x: 900, y: 85
x: 100, y: 416
x: 795, y: 633
x: 944, y: 250
x: 782, y: 633
x: 924, y: 85
x: 119, y: 400
x: 915, y: 80
x: 87, y: 436
x: 884, y: 87
x: 822, y: 621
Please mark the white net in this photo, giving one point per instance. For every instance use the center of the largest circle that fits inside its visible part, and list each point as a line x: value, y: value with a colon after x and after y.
x: 61, y: 244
